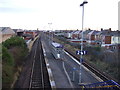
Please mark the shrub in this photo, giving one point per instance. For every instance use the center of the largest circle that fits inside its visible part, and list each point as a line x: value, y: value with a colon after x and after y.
x: 13, y: 52
x: 7, y: 75
x: 97, y: 49
x: 7, y: 67
x: 6, y: 56
x: 14, y: 41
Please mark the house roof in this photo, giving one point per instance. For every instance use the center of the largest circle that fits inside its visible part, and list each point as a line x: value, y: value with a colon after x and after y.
x: 27, y: 35
x: 18, y: 30
x: 6, y: 30
x: 105, y: 32
x: 93, y: 32
x: 77, y: 32
x: 73, y: 32
x: 115, y: 33
x: 86, y: 31
x: 109, y: 33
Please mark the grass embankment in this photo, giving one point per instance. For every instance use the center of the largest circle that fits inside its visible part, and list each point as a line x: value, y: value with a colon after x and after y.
x: 96, y: 58
x: 14, y: 51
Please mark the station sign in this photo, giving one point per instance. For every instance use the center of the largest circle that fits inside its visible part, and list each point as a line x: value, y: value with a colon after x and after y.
x: 81, y: 52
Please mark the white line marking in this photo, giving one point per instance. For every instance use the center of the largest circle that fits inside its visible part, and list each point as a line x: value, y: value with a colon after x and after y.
x: 67, y: 75
x: 99, y: 79
x: 52, y: 83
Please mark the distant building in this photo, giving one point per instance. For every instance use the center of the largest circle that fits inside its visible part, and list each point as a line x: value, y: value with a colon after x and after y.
x: 111, y: 40
x: 115, y: 37
x: 19, y: 32
x: 92, y: 37
x: 75, y: 34
x: 29, y: 34
x: 6, y: 33
x: 85, y: 34
x: 68, y: 34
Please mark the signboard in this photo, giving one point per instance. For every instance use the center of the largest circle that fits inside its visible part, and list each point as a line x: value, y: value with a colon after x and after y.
x: 81, y: 52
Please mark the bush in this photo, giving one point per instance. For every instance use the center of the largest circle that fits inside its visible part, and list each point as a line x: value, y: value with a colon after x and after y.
x: 13, y: 52
x: 7, y: 75
x: 98, y: 49
x: 7, y: 67
x: 14, y: 41
x: 6, y: 56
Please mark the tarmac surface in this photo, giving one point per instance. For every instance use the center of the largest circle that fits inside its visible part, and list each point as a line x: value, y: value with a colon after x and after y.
x: 59, y: 76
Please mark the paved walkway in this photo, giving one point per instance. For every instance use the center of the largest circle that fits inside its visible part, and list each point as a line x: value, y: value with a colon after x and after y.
x: 56, y: 66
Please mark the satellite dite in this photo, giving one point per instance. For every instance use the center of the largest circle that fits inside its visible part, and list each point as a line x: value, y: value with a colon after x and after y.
x: 119, y: 15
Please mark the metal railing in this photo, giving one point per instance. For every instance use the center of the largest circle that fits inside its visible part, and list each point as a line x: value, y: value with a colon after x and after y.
x: 110, y: 84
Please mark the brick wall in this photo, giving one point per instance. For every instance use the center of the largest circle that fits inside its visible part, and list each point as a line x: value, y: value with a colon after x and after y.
x: 107, y: 39
x: 92, y: 37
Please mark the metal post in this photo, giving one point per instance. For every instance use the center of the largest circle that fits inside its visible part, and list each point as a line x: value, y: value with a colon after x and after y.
x: 73, y: 78
x: 52, y: 34
x: 73, y: 75
x: 81, y: 57
x: 49, y: 32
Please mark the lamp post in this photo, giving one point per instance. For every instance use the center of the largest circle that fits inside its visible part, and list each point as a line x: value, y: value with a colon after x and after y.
x: 81, y: 56
x: 49, y: 31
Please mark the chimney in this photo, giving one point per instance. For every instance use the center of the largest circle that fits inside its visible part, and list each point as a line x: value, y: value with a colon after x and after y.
x: 109, y: 29
x: 89, y: 29
x: 101, y: 29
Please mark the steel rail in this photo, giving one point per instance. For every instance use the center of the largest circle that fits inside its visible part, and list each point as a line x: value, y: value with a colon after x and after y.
x: 32, y: 69
x: 38, y: 47
x: 41, y: 67
x: 91, y: 68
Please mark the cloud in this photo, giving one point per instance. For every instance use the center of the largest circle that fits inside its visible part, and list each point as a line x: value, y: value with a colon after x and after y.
x: 16, y: 10
x: 62, y: 13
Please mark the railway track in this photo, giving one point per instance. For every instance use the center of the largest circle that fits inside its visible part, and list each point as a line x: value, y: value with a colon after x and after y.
x: 103, y: 76
x: 39, y: 76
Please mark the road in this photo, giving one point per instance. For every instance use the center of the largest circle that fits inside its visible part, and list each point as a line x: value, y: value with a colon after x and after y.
x: 63, y: 69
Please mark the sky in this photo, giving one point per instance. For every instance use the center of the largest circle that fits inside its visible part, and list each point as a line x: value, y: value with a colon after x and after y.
x: 58, y: 14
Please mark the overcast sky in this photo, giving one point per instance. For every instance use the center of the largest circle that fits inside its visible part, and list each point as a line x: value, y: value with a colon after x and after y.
x: 63, y: 14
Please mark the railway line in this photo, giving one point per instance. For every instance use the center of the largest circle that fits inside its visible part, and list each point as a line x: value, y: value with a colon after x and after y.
x: 39, y: 76
x: 97, y: 72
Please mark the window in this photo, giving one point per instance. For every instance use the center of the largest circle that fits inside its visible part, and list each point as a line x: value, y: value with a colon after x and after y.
x: 113, y: 38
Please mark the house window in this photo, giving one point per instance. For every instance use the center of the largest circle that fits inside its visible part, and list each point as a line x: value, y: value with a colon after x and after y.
x: 113, y: 38
x: 114, y: 47
x: 118, y: 39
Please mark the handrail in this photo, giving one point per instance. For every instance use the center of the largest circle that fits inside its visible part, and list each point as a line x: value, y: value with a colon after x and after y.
x: 105, y: 84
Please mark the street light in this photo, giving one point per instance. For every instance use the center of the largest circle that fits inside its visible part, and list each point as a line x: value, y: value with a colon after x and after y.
x: 85, y: 2
x: 81, y: 56
x: 49, y: 31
